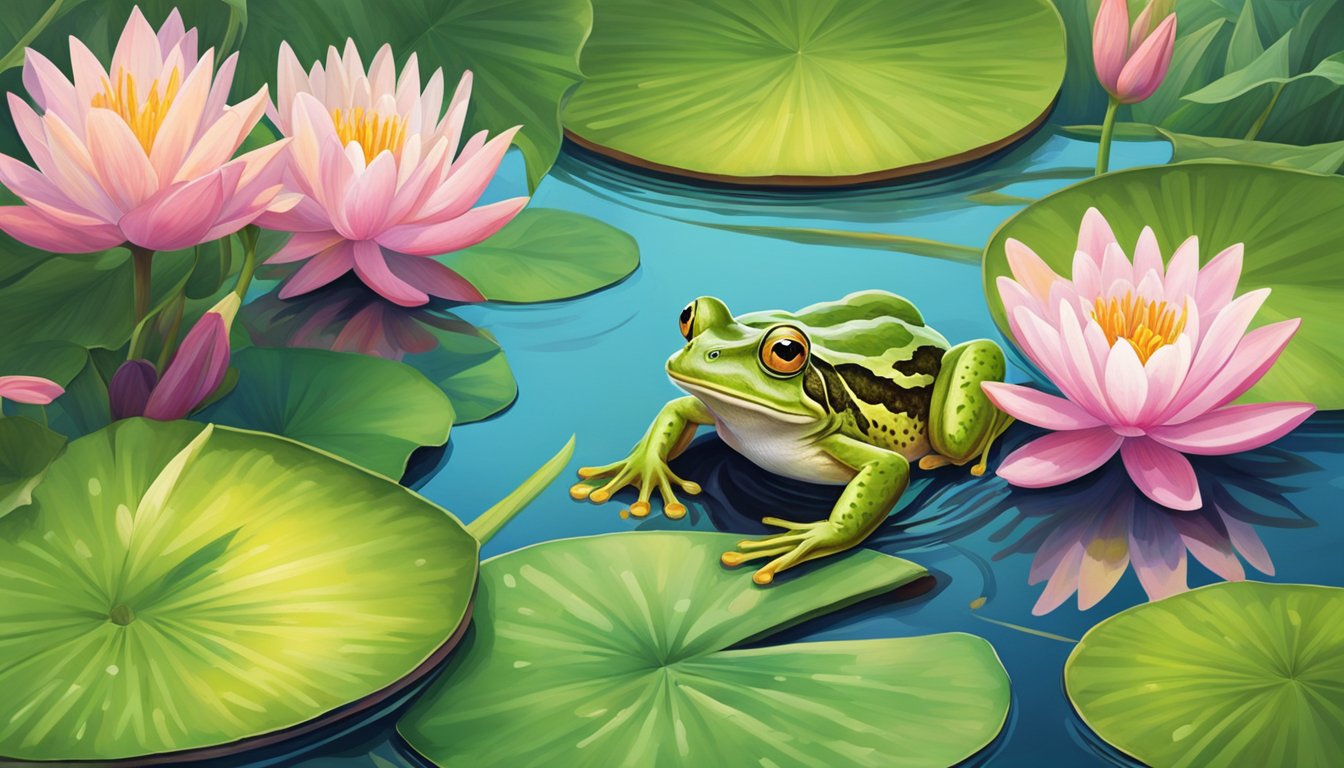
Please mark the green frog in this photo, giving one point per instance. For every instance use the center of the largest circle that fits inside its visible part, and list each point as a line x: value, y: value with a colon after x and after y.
x: 846, y: 392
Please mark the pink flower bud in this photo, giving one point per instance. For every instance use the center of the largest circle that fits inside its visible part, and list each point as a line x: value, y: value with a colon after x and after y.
x: 198, y: 367
x: 1132, y: 61
x: 33, y: 390
x: 129, y: 390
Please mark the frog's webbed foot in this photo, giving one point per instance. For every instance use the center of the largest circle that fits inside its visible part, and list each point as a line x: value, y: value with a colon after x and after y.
x: 643, y: 471
x: 799, y: 543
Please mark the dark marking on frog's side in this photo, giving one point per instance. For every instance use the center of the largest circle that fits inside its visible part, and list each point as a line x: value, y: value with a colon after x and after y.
x: 813, y: 386
x: 836, y: 394
x: 912, y: 401
x: 927, y: 359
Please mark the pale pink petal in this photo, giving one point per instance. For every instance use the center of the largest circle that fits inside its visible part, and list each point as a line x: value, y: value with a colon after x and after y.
x: 1150, y: 287
x: 1095, y: 235
x: 1110, y: 42
x: 1126, y: 384
x: 1222, y: 337
x: 431, y: 101
x: 468, y: 180
x: 1164, y: 475
x: 1042, y: 343
x: 1142, y: 26
x: 1036, y: 407
x: 1084, y: 368
x: 1253, y: 357
x: 1063, y: 581
x: 1029, y: 270
x: 466, y: 230
x: 37, y: 190
x: 1014, y: 296
x: 171, y: 32
x: 1059, y: 457
x: 303, y: 245
x: 123, y: 170
x: 49, y: 87
x: 408, y: 92
x: 373, y: 270
x: 1105, y: 557
x: 1248, y: 543
x: 320, y: 270
x: 369, y: 196
x: 1182, y: 271
x: 1217, y: 281
x: 182, y: 123
x: 1147, y: 255
x: 32, y: 390
x: 1116, y: 268
x: 1157, y: 553
x: 1234, y: 428
x: 138, y: 52
x: 1147, y: 66
x: 217, y: 101
x: 306, y: 216
x: 31, y: 227
x: 32, y: 131
x: 432, y: 277
x: 177, y: 217
x: 415, y: 190
x: 383, y: 72
x: 1166, y: 371
x: 89, y: 77
x: 290, y: 80
x: 217, y: 145
x: 1086, y: 275
x: 72, y: 170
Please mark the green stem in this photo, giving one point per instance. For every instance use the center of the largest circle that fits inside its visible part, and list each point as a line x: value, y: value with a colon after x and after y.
x: 15, y: 55
x: 250, y: 235
x: 143, y: 259
x: 170, y: 338
x: 494, y: 518
x: 1107, y: 130
x: 1260, y: 121
x: 226, y: 47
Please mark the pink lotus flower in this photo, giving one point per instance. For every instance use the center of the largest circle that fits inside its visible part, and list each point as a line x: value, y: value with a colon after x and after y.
x: 1148, y: 360
x: 1131, y: 62
x: 140, y: 154
x: 382, y: 190
x: 32, y: 390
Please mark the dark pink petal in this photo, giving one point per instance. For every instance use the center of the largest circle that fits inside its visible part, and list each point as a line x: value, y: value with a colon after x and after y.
x: 1039, y: 408
x: 432, y: 277
x: 1059, y: 457
x: 196, y: 370
x: 128, y: 392
x: 177, y: 217
x: 320, y: 270
x: 466, y: 230
x: 33, y: 390
x: 372, y: 268
x: 304, y: 245
x: 1234, y: 428
x: 1147, y: 66
x: 1164, y: 475
x: 30, y: 227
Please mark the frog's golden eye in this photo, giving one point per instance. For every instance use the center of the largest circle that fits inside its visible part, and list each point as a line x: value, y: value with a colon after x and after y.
x: 784, y: 350
x: 686, y: 323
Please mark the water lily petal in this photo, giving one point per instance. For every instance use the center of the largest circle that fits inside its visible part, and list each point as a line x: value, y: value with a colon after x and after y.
x: 1029, y: 270
x: 1166, y: 371
x: 138, y: 52
x: 71, y: 169
x: 1234, y: 428
x: 320, y: 270
x: 1086, y: 276
x: 1182, y: 271
x: 1126, y: 383
x: 1105, y: 556
x: 1085, y: 365
x: 466, y: 230
x: 1164, y: 475
x: 1253, y: 357
x: 1209, y: 545
x: 182, y: 124
x: 1248, y: 543
x: 37, y: 190
x: 373, y: 270
x: 31, y: 227
x: 467, y: 181
x: 177, y: 217
x: 1036, y: 407
x: 1110, y: 43
x: 303, y: 245
x: 123, y: 170
x: 1117, y: 272
x: 1157, y: 553
x: 1095, y: 235
x: 49, y: 87
x: 1147, y: 66
x: 1217, y: 281
x: 1059, y: 457
x: 432, y: 277
x: 1222, y: 337
x: 33, y: 390
x: 369, y: 196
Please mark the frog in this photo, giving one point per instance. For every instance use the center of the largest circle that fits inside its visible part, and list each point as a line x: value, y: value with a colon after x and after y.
x: 848, y: 392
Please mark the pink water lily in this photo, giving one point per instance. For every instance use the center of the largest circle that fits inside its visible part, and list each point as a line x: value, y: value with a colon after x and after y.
x: 139, y: 153
x: 32, y: 390
x: 1148, y: 358
x: 384, y: 186
x: 1132, y: 61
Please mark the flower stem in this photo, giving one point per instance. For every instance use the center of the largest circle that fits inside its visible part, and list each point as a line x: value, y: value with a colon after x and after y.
x: 1107, y: 130
x: 143, y: 259
x: 1260, y: 121
x: 249, y: 236
x: 170, y: 338
x: 14, y: 57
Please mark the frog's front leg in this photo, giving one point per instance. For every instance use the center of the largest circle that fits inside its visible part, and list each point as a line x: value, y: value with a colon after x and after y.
x: 963, y: 423
x: 880, y: 479
x: 646, y: 466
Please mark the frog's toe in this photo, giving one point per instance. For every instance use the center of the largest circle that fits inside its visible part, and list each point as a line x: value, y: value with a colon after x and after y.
x: 734, y: 559
x: 770, y: 542
x: 674, y: 511
x: 789, y: 525
x: 640, y: 508
x: 934, y: 461
x: 580, y: 491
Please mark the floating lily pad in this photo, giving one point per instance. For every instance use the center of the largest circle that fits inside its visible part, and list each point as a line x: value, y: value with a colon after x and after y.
x: 611, y: 650
x: 1233, y: 674
x: 371, y: 411
x: 1286, y: 218
x: 808, y: 92
x: 196, y: 591
x: 547, y: 255
x: 26, y: 450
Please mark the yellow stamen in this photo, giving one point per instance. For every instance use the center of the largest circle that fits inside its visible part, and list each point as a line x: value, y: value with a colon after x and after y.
x: 144, y: 118
x: 1146, y: 325
x: 374, y: 132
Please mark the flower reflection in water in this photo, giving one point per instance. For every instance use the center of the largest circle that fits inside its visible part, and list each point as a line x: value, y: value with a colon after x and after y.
x: 1085, y: 535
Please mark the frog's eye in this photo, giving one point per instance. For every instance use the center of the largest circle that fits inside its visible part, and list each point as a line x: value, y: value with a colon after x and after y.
x: 686, y: 323
x: 784, y: 350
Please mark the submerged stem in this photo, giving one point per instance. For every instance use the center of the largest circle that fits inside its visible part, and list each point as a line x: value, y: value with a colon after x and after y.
x: 1107, y: 131
x: 491, y: 520
x: 143, y: 260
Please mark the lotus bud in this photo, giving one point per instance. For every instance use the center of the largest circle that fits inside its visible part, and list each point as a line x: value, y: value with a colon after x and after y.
x: 199, y: 365
x: 128, y: 392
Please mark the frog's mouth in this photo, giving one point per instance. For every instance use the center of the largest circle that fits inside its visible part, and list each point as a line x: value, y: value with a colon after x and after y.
x: 716, y: 397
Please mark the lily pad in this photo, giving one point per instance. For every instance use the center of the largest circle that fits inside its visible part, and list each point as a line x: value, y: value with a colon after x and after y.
x: 611, y: 650
x: 1286, y: 218
x: 193, y: 592
x: 26, y: 450
x: 1232, y: 674
x: 370, y: 411
x: 807, y: 92
x: 547, y: 255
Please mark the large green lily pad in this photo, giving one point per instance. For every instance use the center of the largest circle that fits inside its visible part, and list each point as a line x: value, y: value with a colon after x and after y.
x: 814, y: 91
x: 611, y: 650
x: 1286, y: 218
x: 371, y: 411
x: 194, y: 591
x: 1233, y: 674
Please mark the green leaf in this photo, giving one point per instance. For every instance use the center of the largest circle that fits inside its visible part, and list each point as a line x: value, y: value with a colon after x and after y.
x: 26, y: 450
x: 1317, y: 158
x: 217, y: 587
x: 1245, y: 46
x: 1285, y: 218
x: 547, y: 255
x: 491, y: 520
x: 370, y: 411
x: 613, y: 650
x: 1231, y: 674
x: 469, y: 365
x: 524, y: 53
x: 1270, y: 68
x: 795, y: 91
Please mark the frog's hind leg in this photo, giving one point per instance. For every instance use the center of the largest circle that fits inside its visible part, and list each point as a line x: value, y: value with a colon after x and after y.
x: 963, y: 423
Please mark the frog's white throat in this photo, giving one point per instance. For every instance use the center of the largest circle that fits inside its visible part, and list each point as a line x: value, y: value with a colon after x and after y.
x: 731, y: 408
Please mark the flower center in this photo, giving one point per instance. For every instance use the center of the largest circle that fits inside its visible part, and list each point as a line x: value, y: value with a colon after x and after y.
x: 144, y: 117
x: 1146, y: 325
x: 374, y: 132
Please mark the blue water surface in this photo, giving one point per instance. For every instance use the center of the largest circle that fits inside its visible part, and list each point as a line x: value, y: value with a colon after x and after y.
x: 593, y: 367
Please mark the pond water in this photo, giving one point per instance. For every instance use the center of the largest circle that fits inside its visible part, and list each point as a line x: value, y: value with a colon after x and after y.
x: 592, y: 367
